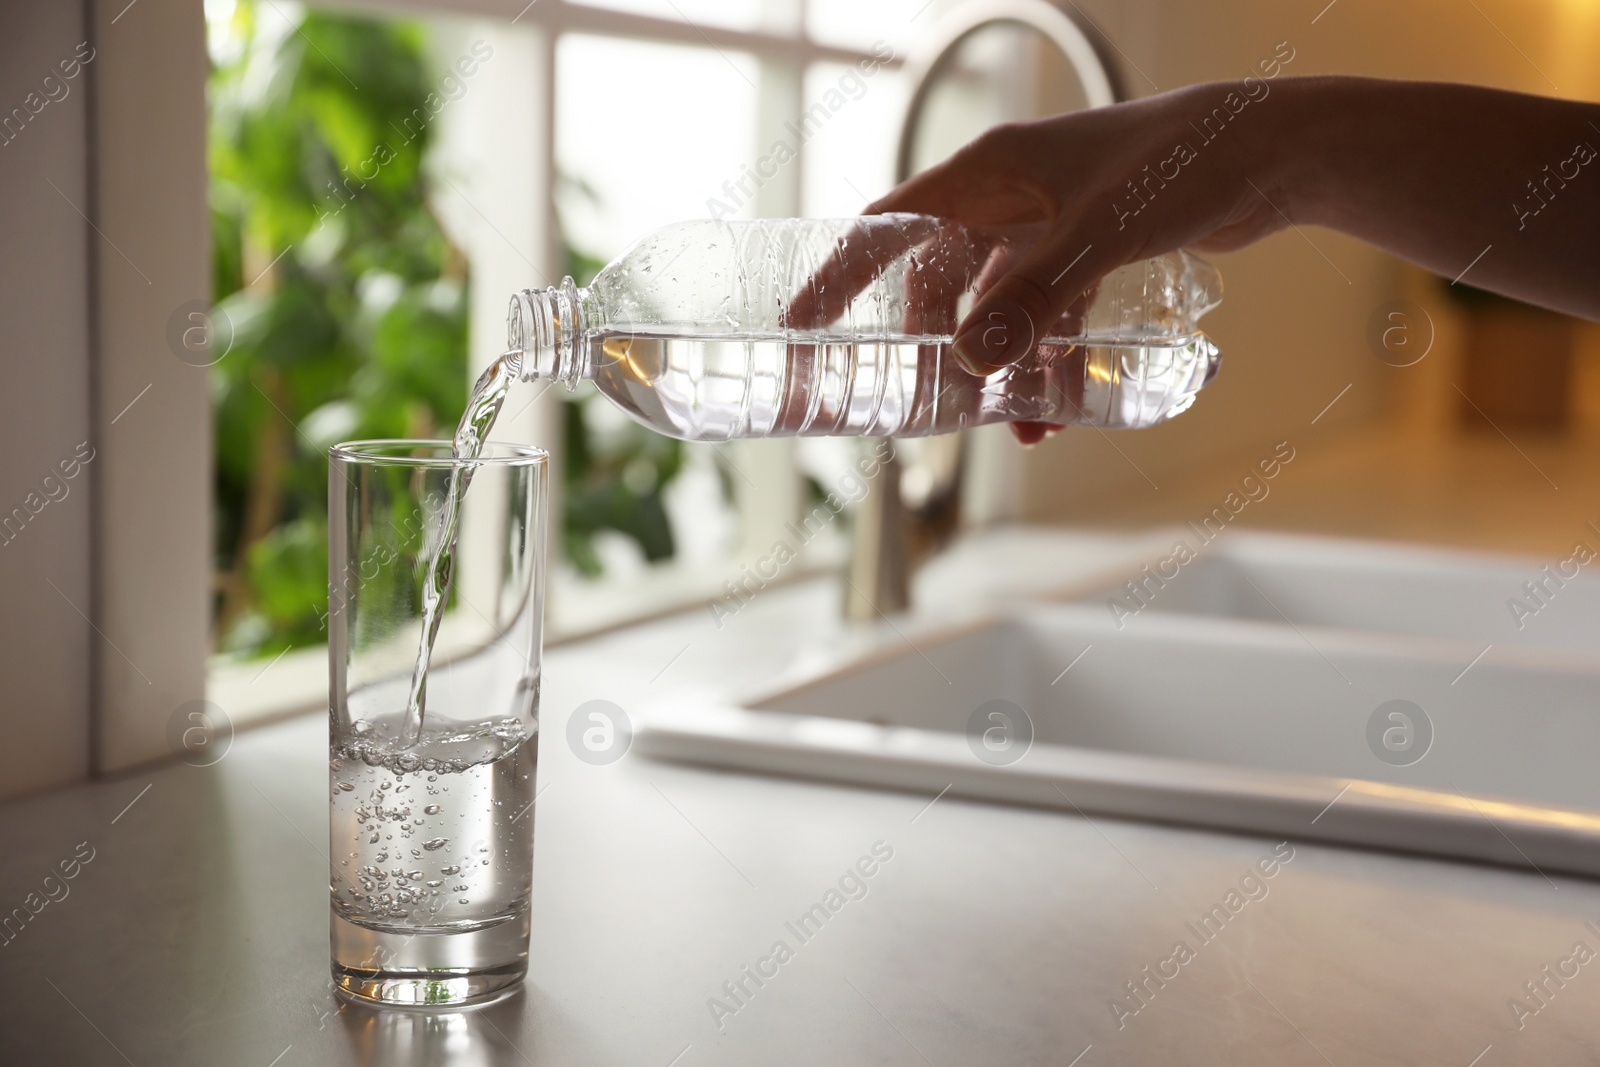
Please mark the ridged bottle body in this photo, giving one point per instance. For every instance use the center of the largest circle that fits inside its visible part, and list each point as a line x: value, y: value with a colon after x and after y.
x: 709, y: 331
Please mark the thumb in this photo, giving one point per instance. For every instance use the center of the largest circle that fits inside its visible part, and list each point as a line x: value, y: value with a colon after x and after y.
x: 1014, y: 315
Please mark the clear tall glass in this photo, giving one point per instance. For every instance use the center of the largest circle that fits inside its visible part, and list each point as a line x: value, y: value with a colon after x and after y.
x: 431, y: 846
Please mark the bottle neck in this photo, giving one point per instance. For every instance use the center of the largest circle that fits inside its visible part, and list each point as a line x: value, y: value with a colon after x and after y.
x: 546, y: 328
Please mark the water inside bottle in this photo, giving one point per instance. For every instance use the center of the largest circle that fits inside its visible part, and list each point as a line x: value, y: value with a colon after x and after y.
x: 714, y: 388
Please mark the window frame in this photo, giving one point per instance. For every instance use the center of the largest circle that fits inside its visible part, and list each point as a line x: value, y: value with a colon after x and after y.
x: 152, y: 552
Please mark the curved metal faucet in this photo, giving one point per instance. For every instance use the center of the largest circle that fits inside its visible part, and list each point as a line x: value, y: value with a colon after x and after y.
x: 913, y: 504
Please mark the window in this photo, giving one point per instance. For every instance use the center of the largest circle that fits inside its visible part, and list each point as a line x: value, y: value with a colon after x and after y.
x: 381, y: 184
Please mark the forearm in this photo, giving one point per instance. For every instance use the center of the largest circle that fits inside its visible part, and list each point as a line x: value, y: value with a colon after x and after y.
x: 1499, y: 189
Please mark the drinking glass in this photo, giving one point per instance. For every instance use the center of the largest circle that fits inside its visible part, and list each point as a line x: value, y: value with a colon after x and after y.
x: 431, y: 846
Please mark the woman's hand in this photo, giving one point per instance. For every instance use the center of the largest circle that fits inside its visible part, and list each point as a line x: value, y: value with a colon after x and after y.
x: 1499, y: 189
x: 1112, y: 185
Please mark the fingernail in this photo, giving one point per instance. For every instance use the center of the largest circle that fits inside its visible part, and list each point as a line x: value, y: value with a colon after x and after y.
x: 963, y: 353
x: 991, y: 343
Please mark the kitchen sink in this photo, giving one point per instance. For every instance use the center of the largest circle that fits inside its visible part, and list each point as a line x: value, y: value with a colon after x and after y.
x: 1365, y: 694
x: 1509, y: 602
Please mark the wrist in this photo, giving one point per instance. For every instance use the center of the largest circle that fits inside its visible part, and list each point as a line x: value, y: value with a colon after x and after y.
x: 1283, y: 170
x: 1315, y: 140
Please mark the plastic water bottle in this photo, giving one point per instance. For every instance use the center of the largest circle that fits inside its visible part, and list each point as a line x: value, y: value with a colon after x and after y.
x: 711, y: 330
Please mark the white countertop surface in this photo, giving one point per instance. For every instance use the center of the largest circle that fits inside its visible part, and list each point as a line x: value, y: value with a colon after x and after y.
x: 198, y: 932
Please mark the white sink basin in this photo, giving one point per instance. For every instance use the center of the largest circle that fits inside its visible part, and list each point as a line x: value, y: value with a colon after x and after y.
x: 1387, y: 588
x: 1242, y: 696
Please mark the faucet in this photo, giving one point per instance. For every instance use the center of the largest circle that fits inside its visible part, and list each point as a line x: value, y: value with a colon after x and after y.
x: 912, y: 508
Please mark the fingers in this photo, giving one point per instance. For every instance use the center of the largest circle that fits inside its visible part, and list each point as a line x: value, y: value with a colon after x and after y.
x: 857, y: 258
x: 1029, y: 434
x: 991, y: 180
x: 936, y: 274
x: 935, y: 191
x: 1022, y: 307
x: 1002, y: 258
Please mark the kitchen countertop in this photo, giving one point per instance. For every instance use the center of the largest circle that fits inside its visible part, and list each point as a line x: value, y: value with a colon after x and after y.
x: 197, y: 932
